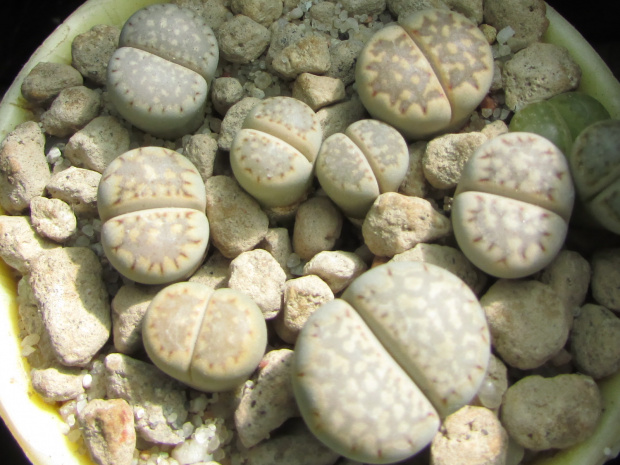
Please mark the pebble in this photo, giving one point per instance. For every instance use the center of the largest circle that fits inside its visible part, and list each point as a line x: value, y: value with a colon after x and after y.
x: 201, y: 150
x: 310, y: 54
x: 364, y: 7
x: 278, y: 243
x: 414, y: 184
x: 569, y: 275
x: 405, y: 7
x: 78, y: 188
x: 257, y: 274
x: 225, y: 92
x: 52, y: 218
x: 318, y: 91
x: 46, y: 80
x: 534, y: 411
x: 494, y: 385
x: 211, y: 340
x: 445, y: 156
x: 128, y: 309
x: 58, y: 383
x: 336, y: 118
x: 539, y: 72
x: 448, y: 258
x: 24, y: 171
x: 214, y: 273
x: 318, y: 224
x: 270, y: 402
x: 97, y: 144
x: 92, y: 50
x: 605, y: 277
x: 108, y: 431
x: 343, y: 57
x: 20, y: 245
x: 529, y: 321
x: 470, y: 436
x: 233, y: 121
x: 263, y: 12
x: 337, y: 268
x: 526, y: 17
x: 214, y: 12
x: 396, y: 223
x: 242, y: 40
x: 71, y: 110
x: 152, y: 395
x: 68, y: 287
x: 302, y: 296
x: 297, y: 446
x: 237, y: 222
x: 594, y: 341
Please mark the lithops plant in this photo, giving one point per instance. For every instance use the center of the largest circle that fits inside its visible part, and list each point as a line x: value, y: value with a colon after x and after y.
x: 595, y: 166
x: 512, y: 205
x: 210, y: 340
x: 273, y: 155
x: 151, y: 201
x: 375, y: 371
x: 426, y: 74
x: 158, y: 78
x: 370, y: 158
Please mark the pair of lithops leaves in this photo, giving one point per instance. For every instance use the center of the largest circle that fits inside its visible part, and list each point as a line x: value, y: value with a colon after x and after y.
x: 159, y: 76
x: 274, y: 156
x: 152, y: 203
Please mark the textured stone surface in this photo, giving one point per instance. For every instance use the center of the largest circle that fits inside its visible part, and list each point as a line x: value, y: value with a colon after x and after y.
x: 46, y: 80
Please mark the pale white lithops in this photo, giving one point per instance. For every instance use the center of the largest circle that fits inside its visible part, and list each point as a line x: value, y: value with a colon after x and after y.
x: 158, y: 79
x: 512, y: 205
x: 426, y: 74
x: 209, y: 339
x: 273, y: 155
x: 370, y: 158
x: 375, y: 371
x: 152, y: 203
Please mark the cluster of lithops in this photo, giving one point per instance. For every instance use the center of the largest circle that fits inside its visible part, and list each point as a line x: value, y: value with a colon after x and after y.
x: 427, y: 74
x: 159, y: 76
x: 210, y: 340
x: 273, y: 155
x: 152, y: 203
x: 512, y: 205
x: 353, y: 168
x: 376, y: 370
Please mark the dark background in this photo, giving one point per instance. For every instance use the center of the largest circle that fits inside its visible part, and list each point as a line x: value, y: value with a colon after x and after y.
x: 26, y: 23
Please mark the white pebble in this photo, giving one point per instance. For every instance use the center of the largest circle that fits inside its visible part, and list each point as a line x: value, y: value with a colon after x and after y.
x: 504, y: 34
x: 87, y: 381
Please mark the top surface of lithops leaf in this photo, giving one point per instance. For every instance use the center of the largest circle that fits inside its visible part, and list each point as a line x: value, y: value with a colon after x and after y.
x: 385, y: 149
x: 175, y: 34
x: 353, y: 395
x: 289, y: 119
x: 149, y: 177
x: 521, y: 166
x: 397, y: 84
x: 431, y: 323
x: 459, y: 54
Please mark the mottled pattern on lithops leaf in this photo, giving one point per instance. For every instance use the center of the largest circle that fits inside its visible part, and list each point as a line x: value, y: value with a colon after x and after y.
x: 158, y: 245
x: 176, y: 34
x: 522, y: 166
x: 432, y: 324
x: 353, y: 395
x: 427, y: 74
x: 156, y: 95
x: 512, y: 205
x: 149, y: 177
x: 370, y: 158
x: 260, y: 160
x: 210, y: 340
x: 289, y: 119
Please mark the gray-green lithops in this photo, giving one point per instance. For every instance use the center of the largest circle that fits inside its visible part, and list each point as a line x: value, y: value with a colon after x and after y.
x: 595, y: 166
x: 209, y: 339
x: 426, y: 74
x: 152, y: 202
x: 512, y: 205
x: 158, y: 78
x: 273, y: 155
x: 370, y: 158
x: 375, y: 371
